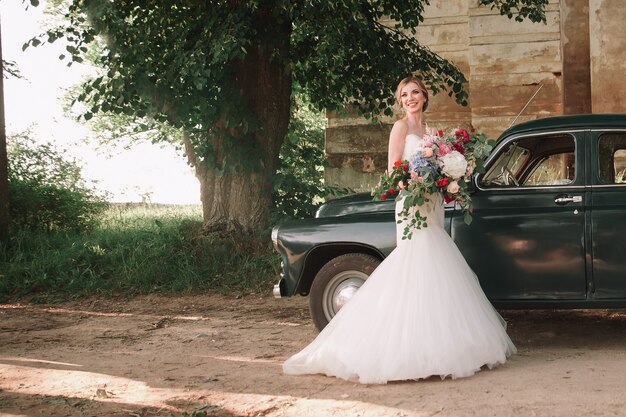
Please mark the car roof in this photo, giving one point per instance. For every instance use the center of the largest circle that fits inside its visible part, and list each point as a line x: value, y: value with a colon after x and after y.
x: 575, y: 121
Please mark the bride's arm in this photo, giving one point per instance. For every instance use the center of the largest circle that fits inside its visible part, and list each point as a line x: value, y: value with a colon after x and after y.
x: 396, y: 143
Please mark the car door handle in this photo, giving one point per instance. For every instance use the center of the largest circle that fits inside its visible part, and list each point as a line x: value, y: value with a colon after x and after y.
x: 564, y: 199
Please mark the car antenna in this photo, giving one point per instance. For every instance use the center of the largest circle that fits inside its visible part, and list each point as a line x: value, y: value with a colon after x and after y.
x: 527, y: 103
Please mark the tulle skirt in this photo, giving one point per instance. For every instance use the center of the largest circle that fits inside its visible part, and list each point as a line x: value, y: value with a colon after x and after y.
x: 421, y: 313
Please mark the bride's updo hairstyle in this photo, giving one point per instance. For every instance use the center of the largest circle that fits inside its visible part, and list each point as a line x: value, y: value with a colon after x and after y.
x: 417, y: 81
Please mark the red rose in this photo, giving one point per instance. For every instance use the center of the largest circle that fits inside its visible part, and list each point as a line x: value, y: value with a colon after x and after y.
x: 443, y: 182
x: 383, y: 197
x: 462, y: 135
x: 397, y: 164
x: 440, y: 133
x: 448, y: 199
x: 459, y: 147
x: 391, y: 191
x: 406, y: 166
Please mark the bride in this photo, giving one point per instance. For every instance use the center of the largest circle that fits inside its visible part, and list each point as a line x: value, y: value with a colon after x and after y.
x: 422, y: 311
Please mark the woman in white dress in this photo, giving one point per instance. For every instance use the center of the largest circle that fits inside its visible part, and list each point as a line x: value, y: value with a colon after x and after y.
x: 422, y: 312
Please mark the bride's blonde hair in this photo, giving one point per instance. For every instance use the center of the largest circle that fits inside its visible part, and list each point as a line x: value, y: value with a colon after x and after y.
x: 419, y: 82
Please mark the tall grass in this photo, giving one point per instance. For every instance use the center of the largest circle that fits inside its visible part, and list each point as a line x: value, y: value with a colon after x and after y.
x: 134, y: 250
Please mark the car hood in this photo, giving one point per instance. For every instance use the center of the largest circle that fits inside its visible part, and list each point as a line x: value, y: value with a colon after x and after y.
x: 353, y: 204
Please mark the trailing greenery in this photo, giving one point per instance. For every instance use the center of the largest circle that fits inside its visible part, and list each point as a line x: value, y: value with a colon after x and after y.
x: 135, y: 250
x: 46, y: 190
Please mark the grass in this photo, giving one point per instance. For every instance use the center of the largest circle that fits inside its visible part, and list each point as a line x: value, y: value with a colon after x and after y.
x: 136, y: 249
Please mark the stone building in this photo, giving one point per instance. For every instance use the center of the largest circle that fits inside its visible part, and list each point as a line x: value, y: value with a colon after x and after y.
x: 576, y: 62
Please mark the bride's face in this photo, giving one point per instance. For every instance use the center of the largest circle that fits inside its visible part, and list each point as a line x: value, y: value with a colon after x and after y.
x: 412, y: 98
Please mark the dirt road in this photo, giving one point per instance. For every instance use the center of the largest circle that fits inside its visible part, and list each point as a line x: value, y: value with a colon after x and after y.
x: 162, y: 356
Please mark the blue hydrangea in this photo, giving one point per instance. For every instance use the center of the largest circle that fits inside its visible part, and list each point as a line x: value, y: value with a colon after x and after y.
x: 421, y: 165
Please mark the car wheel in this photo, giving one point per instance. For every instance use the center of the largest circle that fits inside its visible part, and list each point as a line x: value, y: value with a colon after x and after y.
x: 336, y: 283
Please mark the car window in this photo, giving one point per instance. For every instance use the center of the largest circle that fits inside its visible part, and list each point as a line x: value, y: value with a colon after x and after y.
x: 532, y: 162
x: 619, y: 161
x: 612, y: 158
x: 506, y: 165
x: 555, y: 169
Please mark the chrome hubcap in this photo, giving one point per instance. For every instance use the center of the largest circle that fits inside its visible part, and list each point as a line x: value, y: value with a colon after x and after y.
x: 340, y: 290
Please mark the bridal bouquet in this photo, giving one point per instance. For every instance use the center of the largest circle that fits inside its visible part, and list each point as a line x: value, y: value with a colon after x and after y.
x: 442, y: 167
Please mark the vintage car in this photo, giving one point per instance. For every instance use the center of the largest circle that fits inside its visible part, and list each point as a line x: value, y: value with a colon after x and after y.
x: 548, y: 230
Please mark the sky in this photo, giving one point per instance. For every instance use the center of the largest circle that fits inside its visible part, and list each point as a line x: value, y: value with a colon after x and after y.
x: 156, y: 173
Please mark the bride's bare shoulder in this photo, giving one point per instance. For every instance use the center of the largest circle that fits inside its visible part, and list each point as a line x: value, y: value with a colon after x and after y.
x: 401, y: 124
x: 400, y: 128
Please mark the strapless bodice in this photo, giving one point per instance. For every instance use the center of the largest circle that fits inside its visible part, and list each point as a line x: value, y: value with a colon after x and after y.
x: 412, y: 143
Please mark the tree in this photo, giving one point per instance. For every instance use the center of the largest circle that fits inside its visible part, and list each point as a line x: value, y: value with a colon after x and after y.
x: 4, y: 173
x: 223, y: 71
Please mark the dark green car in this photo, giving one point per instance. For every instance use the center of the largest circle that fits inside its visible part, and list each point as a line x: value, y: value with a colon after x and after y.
x: 548, y: 230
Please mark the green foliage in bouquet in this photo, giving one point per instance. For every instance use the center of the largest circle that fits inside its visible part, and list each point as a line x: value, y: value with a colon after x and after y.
x: 441, y: 168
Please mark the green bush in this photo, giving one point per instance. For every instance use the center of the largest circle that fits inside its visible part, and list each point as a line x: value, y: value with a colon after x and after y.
x: 299, y: 183
x: 136, y: 250
x: 47, y: 191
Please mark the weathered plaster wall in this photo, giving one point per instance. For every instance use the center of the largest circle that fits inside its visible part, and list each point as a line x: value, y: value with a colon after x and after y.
x: 608, y: 47
x: 576, y: 57
x: 508, y: 62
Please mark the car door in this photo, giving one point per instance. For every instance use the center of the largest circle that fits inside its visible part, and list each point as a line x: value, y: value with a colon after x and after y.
x: 527, y: 237
x: 608, y: 214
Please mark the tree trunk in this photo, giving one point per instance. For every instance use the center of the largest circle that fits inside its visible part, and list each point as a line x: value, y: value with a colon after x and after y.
x: 4, y: 173
x: 243, y: 199
x: 230, y: 201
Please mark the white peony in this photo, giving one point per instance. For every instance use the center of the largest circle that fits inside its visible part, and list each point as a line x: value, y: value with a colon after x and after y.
x: 453, y: 164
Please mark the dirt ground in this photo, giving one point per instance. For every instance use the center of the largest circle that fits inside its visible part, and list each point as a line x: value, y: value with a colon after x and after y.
x: 163, y: 356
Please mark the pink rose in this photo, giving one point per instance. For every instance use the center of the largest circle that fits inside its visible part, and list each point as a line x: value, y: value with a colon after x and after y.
x: 443, y: 149
x: 401, y: 185
x: 413, y: 174
x: 453, y: 187
x: 427, y: 152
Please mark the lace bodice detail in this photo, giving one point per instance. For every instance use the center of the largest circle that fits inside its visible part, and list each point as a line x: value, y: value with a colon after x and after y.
x: 412, y: 143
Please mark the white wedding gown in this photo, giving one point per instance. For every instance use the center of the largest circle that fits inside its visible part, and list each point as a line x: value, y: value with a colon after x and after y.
x: 422, y: 312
